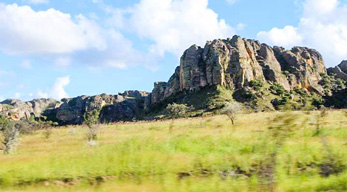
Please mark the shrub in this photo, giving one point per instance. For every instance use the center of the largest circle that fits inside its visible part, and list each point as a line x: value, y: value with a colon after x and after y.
x: 301, y: 92
x: 91, y: 118
x: 317, y: 101
x: 231, y: 109
x: 256, y: 84
x: 10, y: 133
x: 331, y: 84
x: 250, y: 96
x: 277, y: 89
x: 176, y: 110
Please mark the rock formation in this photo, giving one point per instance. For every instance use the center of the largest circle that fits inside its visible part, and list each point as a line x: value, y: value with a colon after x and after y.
x: 340, y: 71
x: 235, y: 62
x: 123, y: 106
x: 17, y: 109
x: 232, y: 62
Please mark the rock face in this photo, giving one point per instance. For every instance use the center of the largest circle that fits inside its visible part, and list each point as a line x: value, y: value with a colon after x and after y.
x: 123, y: 106
x: 17, y: 109
x: 235, y: 62
x: 340, y: 71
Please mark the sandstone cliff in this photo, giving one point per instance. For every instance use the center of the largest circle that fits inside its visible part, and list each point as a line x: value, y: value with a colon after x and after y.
x: 234, y: 62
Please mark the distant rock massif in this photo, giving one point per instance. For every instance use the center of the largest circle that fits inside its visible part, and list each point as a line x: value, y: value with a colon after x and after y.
x: 232, y: 63
x: 340, y: 71
x: 121, y: 107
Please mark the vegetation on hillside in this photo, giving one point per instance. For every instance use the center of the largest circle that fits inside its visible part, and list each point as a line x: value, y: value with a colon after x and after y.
x: 257, y: 96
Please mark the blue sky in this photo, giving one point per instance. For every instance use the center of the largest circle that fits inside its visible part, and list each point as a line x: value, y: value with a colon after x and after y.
x: 67, y: 48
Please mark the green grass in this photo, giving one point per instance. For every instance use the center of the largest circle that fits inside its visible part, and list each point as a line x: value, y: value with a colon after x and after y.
x: 200, y: 154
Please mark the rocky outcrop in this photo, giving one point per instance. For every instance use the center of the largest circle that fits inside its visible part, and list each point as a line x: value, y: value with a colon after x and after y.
x: 303, y: 67
x: 123, y: 106
x: 340, y: 71
x: 271, y: 66
x: 17, y: 109
x: 235, y: 62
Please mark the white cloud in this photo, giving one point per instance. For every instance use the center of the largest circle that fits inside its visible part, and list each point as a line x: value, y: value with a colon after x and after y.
x: 174, y: 25
x: 2, y: 98
x: 26, y: 64
x: 25, y: 31
x: 63, y: 39
x: 286, y: 37
x: 317, y: 8
x: 58, y: 89
x: 119, y: 53
x: 323, y: 26
x: 38, y: 1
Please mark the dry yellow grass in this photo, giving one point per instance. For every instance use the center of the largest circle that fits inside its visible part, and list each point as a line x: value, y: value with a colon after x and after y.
x: 144, y: 156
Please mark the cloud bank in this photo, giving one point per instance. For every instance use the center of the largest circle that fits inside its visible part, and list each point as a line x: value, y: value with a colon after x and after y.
x: 25, y: 31
x: 175, y: 25
x: 171, y: 26
x: 323, y: 26
x: 62, y: 38
x: 57, y: 91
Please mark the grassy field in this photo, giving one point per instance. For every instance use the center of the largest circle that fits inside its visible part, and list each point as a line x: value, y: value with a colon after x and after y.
x: 274, y: 151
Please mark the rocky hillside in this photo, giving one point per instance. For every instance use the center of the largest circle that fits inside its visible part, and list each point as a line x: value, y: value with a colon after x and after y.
x: 246, y: 69
x: 235, y: 62
x: 124, y: 106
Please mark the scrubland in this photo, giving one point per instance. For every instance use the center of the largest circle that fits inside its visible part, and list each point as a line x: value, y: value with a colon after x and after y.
x: 275, y: 151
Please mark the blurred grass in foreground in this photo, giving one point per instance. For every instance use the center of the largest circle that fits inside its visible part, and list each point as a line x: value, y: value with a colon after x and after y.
x: 200, y: 154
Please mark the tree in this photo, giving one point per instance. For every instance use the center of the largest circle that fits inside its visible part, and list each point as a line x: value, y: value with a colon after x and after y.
x: 231, y: 109
x: 177, y: 110
x: 91, y: 118
x: 10, y: 133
